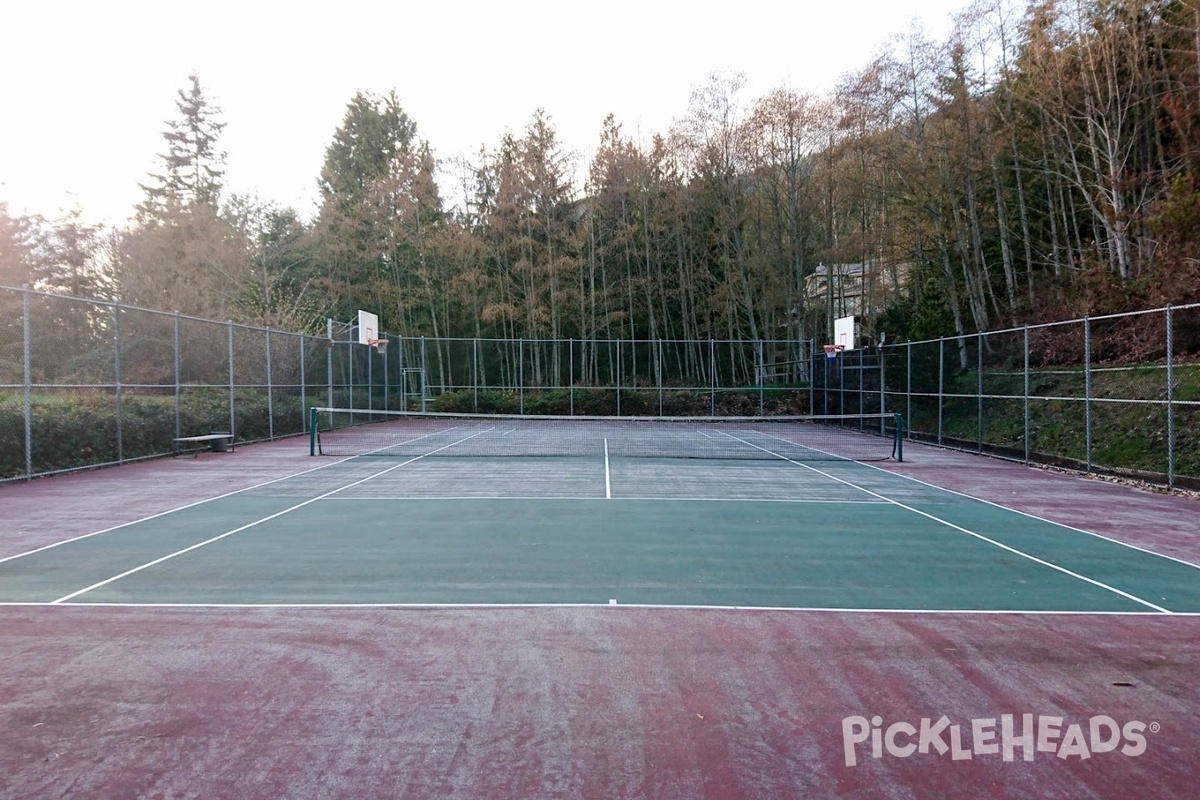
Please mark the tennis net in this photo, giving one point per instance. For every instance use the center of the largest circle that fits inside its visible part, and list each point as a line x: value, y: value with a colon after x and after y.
x: 400, y: 434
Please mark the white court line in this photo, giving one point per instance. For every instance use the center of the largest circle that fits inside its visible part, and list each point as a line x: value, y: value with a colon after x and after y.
x: 310, y: 501
x: 961, y: 529
x: 1003, y: 612
x: 607, y: 474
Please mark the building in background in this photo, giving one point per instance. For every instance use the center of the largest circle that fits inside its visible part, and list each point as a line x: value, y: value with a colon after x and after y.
x: 861, y: 290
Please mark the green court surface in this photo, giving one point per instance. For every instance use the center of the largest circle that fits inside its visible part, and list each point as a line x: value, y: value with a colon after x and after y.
x: 599, y: 531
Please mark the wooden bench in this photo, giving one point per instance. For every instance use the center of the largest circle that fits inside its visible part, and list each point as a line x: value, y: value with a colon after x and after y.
x: 218, y: 442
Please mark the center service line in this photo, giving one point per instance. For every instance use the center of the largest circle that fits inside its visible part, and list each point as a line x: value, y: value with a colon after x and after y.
x: 607, y: 474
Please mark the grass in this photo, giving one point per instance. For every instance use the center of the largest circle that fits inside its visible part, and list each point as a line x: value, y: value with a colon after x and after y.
x: 1126, y: 437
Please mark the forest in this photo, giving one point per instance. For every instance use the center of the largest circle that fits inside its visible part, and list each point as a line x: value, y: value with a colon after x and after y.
x: 1041, y: 163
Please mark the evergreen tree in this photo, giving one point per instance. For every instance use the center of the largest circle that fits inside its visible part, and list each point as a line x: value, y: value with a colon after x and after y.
x: 182, y: 253
x: 16, y: 248
x: 378, y: 204
x: 193, y: 167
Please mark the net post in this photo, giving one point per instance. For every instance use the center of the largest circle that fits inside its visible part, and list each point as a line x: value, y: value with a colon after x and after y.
x: 899, y: 419
x: 312, y: 431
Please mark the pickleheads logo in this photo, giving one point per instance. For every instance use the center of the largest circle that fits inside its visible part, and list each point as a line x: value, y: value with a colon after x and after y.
x: 991, y: 737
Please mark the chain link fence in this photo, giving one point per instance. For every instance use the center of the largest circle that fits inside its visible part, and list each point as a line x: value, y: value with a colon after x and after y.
x: 610, y: 376
x: 85, y: 383
x: 1116, y: 394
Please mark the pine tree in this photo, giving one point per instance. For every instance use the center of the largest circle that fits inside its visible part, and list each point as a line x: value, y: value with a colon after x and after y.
x: 193, y: 167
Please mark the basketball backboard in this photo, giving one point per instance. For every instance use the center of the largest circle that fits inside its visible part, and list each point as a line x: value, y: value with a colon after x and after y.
x: 368, y: 327
x: 844, y: 332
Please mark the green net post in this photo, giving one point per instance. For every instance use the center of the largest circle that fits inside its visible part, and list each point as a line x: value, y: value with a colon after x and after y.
x: 312, y: 431
x: 899, y: 437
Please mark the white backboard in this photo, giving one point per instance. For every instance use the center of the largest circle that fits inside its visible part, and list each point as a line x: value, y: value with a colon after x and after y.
x: 368, y: 327
x: 844, y: 332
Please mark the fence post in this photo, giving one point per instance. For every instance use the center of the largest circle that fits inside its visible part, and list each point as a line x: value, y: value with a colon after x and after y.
x: 329, y: 361
x: 370, y: 376
x: 1087, y: 391
x: 762, y: 379
x: 571, y: 377
x: 424, y: 372
x: 841, y: 377
x: 979, y: 391
x: 824, y: 384
x: 387, y: 386
x: 619, y: 377
x: 403, y: 373
x: 520, y: 376
x: 232, y: 382
x: 813, y: 377
x: 712, y: 374
x: 882, y: 383
x: 303, y: 386
x: 941, y: 384
x: 908, y: 385
x: 1027, y: 418
x: 1170, y: 398
x: 658, y: 369
x: 349, y: 351
x: 27, y: 379
x: 178, y: 378
x: 270, y: 389
x: 117, y: 378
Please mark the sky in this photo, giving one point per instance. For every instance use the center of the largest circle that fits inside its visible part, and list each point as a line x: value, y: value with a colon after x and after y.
x: 86, y: 88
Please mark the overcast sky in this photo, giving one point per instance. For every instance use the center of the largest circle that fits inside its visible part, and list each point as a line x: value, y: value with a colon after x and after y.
x: 86, y: 87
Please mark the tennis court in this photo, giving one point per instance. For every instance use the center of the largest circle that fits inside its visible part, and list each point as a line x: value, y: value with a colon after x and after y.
x: 817, y: 545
